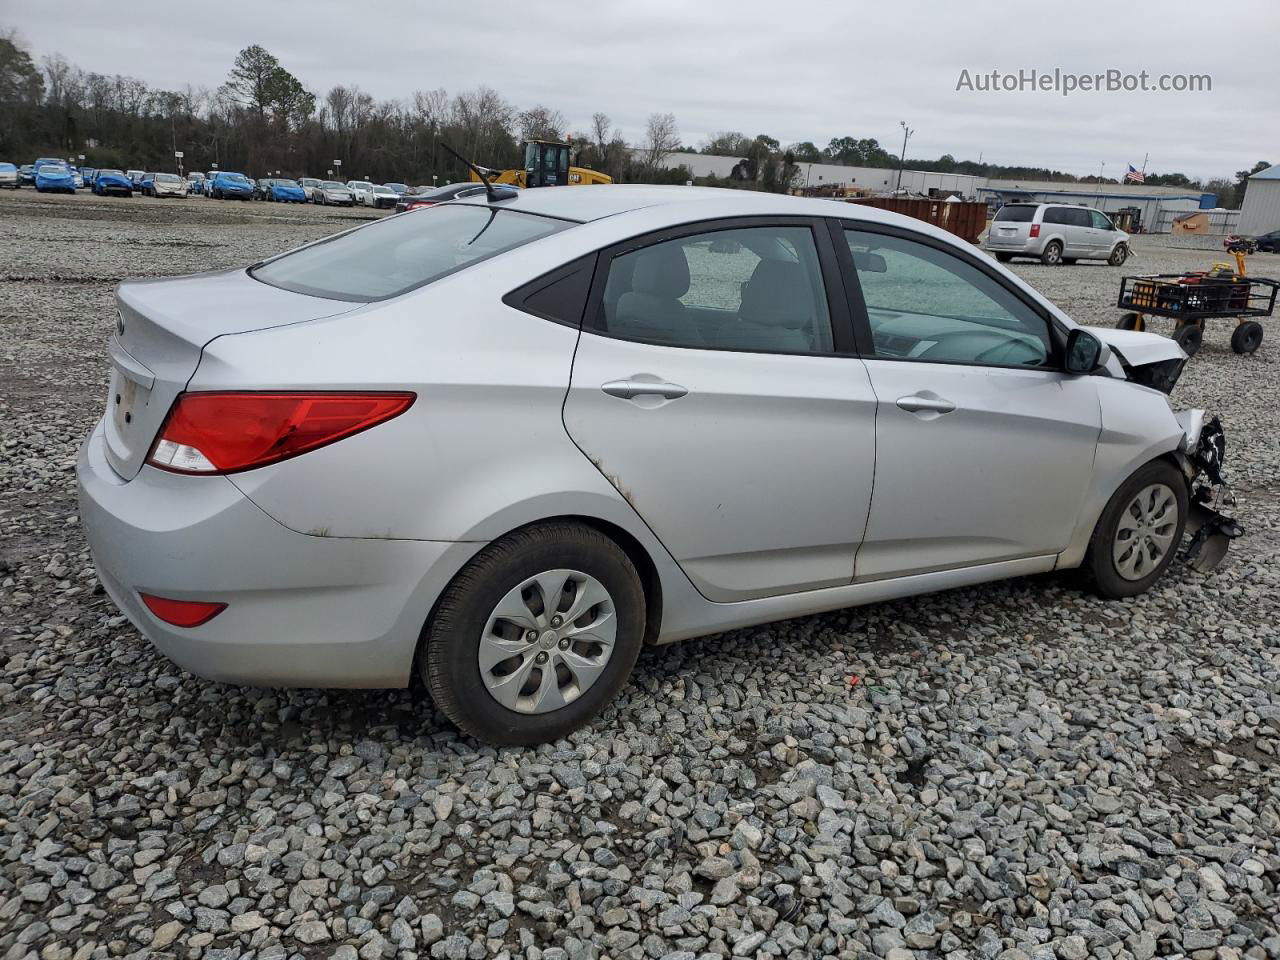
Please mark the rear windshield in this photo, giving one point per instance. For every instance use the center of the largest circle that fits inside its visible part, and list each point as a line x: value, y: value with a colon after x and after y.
x: 393, y: 256
x: 1017, y: 212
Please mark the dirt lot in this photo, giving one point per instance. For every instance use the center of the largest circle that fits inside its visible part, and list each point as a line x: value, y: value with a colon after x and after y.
x: 1019, y: 770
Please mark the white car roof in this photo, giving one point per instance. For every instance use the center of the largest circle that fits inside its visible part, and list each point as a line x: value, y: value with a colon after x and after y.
x: 595, y: 202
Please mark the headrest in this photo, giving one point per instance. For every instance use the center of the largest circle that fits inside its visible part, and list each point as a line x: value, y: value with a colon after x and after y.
x: 661, y: 271
x: 777, y: 294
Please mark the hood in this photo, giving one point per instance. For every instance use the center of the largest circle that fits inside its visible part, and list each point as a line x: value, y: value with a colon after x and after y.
x: 1143, y: 358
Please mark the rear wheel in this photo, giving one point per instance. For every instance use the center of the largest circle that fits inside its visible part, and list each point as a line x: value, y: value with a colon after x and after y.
x: 1004, y: 257
x: 1119, y: 255
x: 1052, y: 254
x: 1189, y: 336
x: 1131, y: 321
x: 1246, y: 337
x: 1139, y: 531
x: 535, y: 636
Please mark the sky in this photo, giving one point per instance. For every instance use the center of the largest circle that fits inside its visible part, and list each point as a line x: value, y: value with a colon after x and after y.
x: 794, y: 71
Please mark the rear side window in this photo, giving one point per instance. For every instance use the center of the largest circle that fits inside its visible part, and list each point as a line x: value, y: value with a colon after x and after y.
x: 1055, y: 215
x: 755, y: 289
x: 1016, y: 213
x: 560, y: 295
x: 393, y: 256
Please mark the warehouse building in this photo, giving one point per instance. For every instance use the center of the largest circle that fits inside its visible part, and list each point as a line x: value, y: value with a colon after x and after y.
x: 1260, y: 212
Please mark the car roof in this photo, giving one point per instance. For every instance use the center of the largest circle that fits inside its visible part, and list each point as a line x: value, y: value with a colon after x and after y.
x: 682, y: 204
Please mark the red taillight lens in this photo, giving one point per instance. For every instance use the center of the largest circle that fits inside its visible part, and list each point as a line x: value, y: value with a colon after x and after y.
x: 182, y: 613
x: 1035, y: 230
x: 420, y: 203
x: 227, y: 432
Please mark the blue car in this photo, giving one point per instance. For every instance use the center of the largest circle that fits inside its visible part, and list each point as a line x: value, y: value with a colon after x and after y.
x: 287, y: 191
x: 50, y: 178
x: 112, y: 182
x: 231, y: 186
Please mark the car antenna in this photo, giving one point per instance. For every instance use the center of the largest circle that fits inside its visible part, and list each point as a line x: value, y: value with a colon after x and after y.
x: 490, y: 193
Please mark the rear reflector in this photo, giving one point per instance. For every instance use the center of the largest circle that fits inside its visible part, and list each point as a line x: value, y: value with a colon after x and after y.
x: 182, y: 613
x: 227, y: 432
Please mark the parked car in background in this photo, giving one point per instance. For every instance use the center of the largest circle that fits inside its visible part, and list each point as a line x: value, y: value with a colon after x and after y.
x: 195, y: 183
x: 88, y: 174
x: 262, y: 188
x: 146, y: 183
x: 431, y: 196
x: 362, y: 190
x: 9, y: 176
x: 284, y: 190
x: 399, y: 188
x: 112, y: 183
x: 78, y: 177
x: 1056, y: 233
x: 55, y: 178
x: 27, y: 174
x: 168, y: 185
x: 1268, y: 242
x: 298, y: 482
x: 382, y: 197
x: 308, y: 185
x: 136, y: 176
x: 333, y: 192
x: 228, y: 185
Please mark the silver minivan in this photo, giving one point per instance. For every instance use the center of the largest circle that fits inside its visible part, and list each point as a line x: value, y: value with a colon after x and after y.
x: 1056, y: 233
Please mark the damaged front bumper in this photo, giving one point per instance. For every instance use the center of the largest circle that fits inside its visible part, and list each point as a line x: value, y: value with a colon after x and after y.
x: 1202, y: 455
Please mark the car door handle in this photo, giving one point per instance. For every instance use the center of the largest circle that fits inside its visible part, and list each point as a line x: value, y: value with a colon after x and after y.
x: 919, y: 404
x: 630, y: 389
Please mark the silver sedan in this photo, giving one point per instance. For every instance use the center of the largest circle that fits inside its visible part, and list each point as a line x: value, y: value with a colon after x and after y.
x: 502, y: 443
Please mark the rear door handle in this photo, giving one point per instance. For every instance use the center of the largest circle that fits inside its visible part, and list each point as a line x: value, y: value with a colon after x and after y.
x: 630, y: 389
x: 919, y: 404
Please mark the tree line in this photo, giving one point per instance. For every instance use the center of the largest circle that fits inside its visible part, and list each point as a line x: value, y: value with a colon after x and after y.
x: 263, y: 119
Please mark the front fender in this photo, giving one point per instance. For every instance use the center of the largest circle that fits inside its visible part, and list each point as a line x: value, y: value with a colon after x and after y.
x: 1137, y: 427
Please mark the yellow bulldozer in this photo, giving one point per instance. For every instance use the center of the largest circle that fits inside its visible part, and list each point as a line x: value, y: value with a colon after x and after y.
x: 546, y: 164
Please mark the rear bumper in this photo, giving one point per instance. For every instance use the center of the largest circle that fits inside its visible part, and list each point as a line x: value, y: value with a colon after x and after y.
x: 1030, y: 248
x: 302, y: 611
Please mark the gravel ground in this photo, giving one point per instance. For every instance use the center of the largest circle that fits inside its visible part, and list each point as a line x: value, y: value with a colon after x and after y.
x: 1021, y: 771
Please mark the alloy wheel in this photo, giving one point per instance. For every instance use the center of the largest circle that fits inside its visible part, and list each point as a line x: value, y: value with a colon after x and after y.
x: 547, y: 641
x: 1145, y: 532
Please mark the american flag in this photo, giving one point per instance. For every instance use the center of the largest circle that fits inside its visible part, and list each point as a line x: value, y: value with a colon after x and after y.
x: 1135, y: 176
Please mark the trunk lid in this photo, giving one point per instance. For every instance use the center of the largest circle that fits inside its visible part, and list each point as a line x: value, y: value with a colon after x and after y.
x: 162, y: 327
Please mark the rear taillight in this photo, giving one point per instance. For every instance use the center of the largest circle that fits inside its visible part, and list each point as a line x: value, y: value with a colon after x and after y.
x: 209, y: 433
x: 421, y: 203
x: 182, y: 613
x: 1035, y: 230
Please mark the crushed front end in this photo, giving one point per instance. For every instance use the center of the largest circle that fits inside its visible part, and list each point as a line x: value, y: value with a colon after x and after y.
x: 1202, y: 457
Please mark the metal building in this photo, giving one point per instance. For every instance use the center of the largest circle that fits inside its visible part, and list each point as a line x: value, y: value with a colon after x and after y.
x: 1260, y: 212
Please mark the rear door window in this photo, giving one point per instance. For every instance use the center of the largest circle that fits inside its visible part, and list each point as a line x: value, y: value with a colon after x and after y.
x: 393, y: 256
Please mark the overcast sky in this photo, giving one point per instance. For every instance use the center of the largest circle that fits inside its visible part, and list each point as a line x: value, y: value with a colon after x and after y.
x: 802, y: 71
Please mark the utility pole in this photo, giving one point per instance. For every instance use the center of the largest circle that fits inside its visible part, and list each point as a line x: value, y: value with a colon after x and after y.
x: 906, y: 135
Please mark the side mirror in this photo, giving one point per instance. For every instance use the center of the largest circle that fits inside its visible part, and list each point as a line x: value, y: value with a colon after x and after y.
x: 1085, y: 352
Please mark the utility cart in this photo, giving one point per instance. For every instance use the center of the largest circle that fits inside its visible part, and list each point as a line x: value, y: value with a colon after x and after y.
x: 1192, y: 298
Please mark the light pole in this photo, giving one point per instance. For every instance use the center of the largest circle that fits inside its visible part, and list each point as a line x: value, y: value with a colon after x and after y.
x: 906, y: 135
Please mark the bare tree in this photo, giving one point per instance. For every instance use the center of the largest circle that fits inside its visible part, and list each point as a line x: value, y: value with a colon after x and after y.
x: 600, y: 124
x: 541, y: 123
x: 660, y: 139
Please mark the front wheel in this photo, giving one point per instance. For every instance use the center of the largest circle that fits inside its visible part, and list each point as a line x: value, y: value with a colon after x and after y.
x: 1139, y: 532
x: 1246, y: 337
x: 1118, y: 256
x: 1052, y: 254
x: 535, y: 636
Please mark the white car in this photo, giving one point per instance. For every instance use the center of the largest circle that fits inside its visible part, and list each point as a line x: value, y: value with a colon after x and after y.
x: 361, y: 191
x: 168, y: 185
x: 503, y: 442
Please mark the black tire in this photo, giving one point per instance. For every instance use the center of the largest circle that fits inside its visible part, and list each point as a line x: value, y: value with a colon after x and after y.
x: 1189, y: 337
x: 1246, y: 337
x: 1051, y: 256
x: 1099, y: 563
x: 1119, y: 255
x: 447, y: 655
x: 1069, y: 260
x: 1131, y: 321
